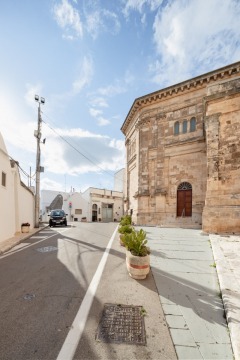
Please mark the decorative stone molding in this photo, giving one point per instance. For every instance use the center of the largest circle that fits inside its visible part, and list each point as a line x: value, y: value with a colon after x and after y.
x: 184, y: 86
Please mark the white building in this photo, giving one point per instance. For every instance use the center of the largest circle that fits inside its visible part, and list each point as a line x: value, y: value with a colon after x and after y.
x: 104, y: 205
x: 119, y: 180
x: 72, y: 203
x: 17, y: 203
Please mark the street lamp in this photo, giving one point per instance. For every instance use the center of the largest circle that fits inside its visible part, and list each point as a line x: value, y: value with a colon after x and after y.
x: 37, y: 134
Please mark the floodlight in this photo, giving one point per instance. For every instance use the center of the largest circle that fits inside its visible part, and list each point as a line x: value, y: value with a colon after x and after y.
x: 36, y: 98
x: 42, y: 100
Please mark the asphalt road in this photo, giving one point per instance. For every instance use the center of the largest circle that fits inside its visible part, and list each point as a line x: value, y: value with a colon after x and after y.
x: 42, y: 284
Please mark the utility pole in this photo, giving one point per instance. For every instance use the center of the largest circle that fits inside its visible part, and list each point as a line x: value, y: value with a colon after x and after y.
x: 37, y: 134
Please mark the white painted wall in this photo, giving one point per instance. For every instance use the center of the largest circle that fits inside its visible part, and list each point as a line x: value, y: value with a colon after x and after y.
x: 16, y: 200
x: 76, y: 198
x: 119, y: 180
x: 104, y: 196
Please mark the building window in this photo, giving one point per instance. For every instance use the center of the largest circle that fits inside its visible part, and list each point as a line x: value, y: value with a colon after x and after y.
x: 193, y: 124
x: 176, y: 128
x: 4, y: 177
x: 78, y: 211
x: 184, y: 127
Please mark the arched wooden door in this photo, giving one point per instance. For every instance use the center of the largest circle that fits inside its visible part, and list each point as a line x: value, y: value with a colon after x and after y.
x: 184, y: 199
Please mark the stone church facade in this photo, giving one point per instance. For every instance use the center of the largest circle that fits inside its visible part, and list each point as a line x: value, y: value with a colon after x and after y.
x: 183, y: 154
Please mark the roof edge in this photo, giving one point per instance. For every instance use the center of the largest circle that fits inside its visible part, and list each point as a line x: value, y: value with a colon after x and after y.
x: 212, y: 75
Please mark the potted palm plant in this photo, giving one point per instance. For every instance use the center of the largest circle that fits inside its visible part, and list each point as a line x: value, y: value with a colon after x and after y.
x: 124, y: 227
x: 137, y: 254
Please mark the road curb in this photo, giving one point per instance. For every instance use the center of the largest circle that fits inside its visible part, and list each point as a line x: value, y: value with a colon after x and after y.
x: 16, y: 240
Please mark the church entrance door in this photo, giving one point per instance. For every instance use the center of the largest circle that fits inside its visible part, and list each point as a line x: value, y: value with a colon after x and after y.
x: 184, y: 200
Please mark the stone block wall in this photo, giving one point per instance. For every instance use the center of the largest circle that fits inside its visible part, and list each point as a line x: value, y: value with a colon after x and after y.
x: 159, y: 159
x: 222, y: 123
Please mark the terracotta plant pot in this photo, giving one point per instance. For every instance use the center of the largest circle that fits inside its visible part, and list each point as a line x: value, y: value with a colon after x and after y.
x: 138, y: 266
x: 25, y: 229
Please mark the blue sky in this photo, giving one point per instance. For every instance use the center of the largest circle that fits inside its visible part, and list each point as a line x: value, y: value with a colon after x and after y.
x: 90, y: 59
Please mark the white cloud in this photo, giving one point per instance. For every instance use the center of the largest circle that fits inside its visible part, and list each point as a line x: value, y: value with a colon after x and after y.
x: 138, y: 5
x: 85, y: 75
x: 102, y: 20
x: 94, y: 112
x: 68, y: 18
x: 83, y: 79
x: 49, y: 184
x: 15, y: 125
x: 192, y: 37
x: 112, y: 90
x: 81, y: 152
x: 97, y: 114
x: 99, y: 101
x: 102, y: 121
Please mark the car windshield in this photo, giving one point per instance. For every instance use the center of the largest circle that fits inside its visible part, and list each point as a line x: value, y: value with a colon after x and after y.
x: 57, y: 213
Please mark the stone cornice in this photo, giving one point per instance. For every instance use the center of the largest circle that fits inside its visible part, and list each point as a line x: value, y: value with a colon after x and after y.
x: 180, y: 87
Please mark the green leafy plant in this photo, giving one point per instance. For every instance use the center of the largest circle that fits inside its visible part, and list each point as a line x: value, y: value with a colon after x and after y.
x: 143, y: 312
x: 125, y: 229
x: 126, y: 220
x: 136, y: 243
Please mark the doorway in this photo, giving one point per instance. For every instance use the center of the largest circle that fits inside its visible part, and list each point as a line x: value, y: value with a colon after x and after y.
x: 184, y: 200
x: 94, y: 212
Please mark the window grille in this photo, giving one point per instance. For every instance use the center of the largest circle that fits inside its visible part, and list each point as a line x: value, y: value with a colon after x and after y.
x: 193, y: 124
x: 185, y: 186
x: 184, y: 126
x: 4, y: 176
x: 176, y: 128
x: 78, y: 211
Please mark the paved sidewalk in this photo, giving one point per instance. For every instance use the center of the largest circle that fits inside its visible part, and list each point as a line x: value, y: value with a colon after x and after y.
x: 184, y: 270
x: 8, y: 244
x: 226, y: 251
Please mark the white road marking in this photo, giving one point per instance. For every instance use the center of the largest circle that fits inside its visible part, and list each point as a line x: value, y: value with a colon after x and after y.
x: 14, y: 250
x: 71, y: 342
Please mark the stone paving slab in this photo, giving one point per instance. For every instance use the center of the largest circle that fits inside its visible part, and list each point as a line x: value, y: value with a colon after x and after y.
x: 226, y: 250
x: 189, y: 292
x: 184, y: 265
x: 198, y: 255
x: 188, y: 353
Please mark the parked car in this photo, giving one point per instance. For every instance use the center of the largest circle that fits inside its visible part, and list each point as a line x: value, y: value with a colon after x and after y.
x: 57, y: 217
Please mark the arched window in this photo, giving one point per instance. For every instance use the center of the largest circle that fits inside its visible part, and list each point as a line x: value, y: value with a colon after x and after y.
x: 176, y: 128
x: 184, y: 199
x: 193, y: 124
x: 184, y: 126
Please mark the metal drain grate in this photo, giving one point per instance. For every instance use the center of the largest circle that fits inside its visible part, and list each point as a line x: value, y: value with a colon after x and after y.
x: 122, y: 324
x: 47, y: 249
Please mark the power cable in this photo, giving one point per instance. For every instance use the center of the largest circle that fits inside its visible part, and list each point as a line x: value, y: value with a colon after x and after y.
x: 78, y: 151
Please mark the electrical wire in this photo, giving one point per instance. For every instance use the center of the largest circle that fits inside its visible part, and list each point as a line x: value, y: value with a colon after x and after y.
x: 78, y: 151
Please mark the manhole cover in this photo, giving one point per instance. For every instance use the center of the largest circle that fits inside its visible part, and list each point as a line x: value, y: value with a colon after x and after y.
x: 47, y: 249
x: 122, y: 324
x: 29, y: 297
